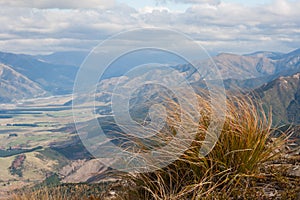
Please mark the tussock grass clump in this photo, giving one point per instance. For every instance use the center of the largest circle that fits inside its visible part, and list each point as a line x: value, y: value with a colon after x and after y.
x: 62, y: 192
x: 229, y: 170
x: 233, y: 169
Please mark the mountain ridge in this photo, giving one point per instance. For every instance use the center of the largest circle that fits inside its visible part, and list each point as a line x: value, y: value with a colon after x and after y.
x: 246, y: 72
x: 282, y: 96
x: 14, y: 85
x: 56, y: 79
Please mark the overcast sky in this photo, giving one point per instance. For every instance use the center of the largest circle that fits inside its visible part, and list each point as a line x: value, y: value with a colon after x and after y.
x: 45, y: 26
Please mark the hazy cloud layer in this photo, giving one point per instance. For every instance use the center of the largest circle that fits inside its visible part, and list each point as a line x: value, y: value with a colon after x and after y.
x: 65, y: 4
x: 188, y: 1
x: 218, y: 27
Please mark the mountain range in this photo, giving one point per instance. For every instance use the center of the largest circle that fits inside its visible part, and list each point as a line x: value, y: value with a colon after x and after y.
x: 272, y: 75
x: 14, y: 85
x: 282, y: 96
x: 54, y: 78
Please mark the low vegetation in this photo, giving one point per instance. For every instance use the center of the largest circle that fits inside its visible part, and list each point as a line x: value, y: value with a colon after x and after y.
x: 17, y: 165
x: 231, y: 170
x: 11, y: 152
x: 240, y: 166
x: 63, y: 192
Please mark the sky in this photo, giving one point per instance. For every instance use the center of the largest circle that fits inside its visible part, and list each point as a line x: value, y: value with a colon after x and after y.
x: 233, y: 26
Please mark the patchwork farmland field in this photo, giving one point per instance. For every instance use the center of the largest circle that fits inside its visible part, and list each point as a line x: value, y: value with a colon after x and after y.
x: 31, y: 128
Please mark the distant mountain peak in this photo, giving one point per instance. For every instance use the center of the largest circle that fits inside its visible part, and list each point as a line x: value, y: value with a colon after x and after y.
x: 223, y: 54
x: 17, y: 86
x: 54, y: 78
x: 282, y: 95
x: 296, y: 76
x: 267, y: 54
x: 295, y: 52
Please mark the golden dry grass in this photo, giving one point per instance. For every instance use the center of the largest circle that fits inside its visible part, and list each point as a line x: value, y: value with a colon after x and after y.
x: 243, y: 146
x: 231, y: 170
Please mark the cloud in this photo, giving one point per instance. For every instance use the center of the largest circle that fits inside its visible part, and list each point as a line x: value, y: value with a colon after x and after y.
x: 149, y: 9
x: 188, y: 1
x: 51, y: 30
x: 235, y: 27
x: 44, y: 45
x: 64, y: 4
x: 229, y: 27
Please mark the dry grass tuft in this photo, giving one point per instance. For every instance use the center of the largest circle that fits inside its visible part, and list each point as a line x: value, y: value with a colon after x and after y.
x: 228, y: 170
x: 233, y: 169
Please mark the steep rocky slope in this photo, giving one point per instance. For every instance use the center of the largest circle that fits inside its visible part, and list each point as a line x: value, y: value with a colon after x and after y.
x: 14, y: 85
x: 283, y: 97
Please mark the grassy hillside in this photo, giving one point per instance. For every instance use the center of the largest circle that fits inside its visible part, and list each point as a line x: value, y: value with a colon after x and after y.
x: 282, y: 96
x: 56, y: 79
x: 246, y: 163
x: 14, y: 85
